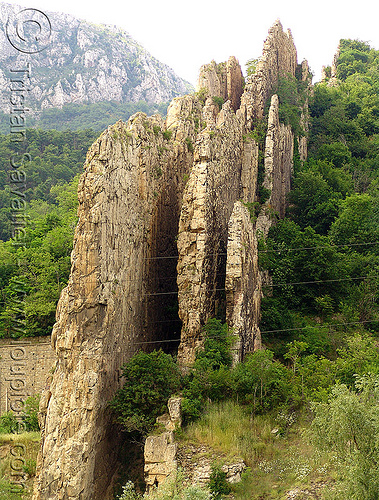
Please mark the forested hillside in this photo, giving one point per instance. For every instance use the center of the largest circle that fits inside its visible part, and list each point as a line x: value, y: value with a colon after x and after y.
x: 97, y: 116
x: 51, y: 194
x: 323, y: 257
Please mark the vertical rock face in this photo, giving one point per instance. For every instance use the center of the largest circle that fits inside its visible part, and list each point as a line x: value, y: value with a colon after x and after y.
x: 160, y: 451
x: 279, y: 58
x: 306, y: 76
x: 278, y: 167
x: 145, y: 184
x: 128, y: 212
x: 209, y: 196
x: 226, y: 170
x: 243, y: 283
x: 223, y: 80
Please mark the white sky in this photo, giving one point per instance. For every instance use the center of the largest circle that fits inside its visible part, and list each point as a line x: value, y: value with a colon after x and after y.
x: 187, y: 34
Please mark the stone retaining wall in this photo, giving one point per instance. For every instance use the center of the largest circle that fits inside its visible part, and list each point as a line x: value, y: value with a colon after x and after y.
x: 24, y: 368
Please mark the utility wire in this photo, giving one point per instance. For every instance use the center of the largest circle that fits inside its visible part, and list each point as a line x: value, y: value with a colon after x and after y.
x: 329, y: 326
x: 155, y: 294
x: 279, y: 250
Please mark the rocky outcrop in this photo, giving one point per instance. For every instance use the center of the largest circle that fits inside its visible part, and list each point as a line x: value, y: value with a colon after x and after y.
x: 128, y: 214
x: 209, y: 196
x: 163, y: 455
x: 160, y: 458
x: 88, y: 63
x: 279, y: 58
x: 243, y: 283
x: 160, y: 451
x: 196, y: 461
x: 147, y: 183
x: 306, y: 77
x: 278, y: 167
x: 223, y: 80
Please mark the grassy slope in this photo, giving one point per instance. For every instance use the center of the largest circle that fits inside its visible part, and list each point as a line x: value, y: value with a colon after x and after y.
x: 31, y: 441
x: 282, y: 463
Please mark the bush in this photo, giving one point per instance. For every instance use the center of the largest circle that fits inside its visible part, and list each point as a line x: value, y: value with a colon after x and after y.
x: 218, y: 484
x: 172, y: 489
x: 8, y: 423
x: 260, y: 382
x: 30, y: 414
x: 150, y: 380
x: 167, y: 135
x: 30, y: 467
x: 189, y: 143
x: 219, y: 101
x: 348, y: 425
x: 210, y: 376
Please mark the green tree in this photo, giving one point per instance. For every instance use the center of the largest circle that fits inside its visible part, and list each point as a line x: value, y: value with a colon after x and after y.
x: 149, y: 381
x: 348, y: 424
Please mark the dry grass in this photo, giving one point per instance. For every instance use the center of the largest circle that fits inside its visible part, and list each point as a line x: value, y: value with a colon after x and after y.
x: 277, y: 461
x: 30, y: 442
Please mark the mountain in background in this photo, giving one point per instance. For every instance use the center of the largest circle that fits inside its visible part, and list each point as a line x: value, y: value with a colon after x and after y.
x: 86, y: 64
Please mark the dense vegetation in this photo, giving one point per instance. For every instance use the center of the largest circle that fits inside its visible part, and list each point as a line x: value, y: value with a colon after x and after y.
x: 41, y: 270
x: 323, y: 257
x: 263, y: 392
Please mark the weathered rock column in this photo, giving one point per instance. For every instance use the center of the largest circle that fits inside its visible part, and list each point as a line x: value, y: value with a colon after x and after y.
x: 209, y: 196
x: 243, y: 283
x: 129, y: 199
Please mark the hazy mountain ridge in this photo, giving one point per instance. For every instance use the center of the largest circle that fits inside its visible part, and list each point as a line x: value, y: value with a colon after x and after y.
x: 87, y: 63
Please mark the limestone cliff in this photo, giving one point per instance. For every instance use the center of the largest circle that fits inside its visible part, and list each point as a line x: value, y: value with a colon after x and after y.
x: 279, y: 58
x: 128, y: 213
x: 212, y: 188
x: 146, y: 184
x: 243, y: 283
x: 278, y: 166
x: 223, y: 80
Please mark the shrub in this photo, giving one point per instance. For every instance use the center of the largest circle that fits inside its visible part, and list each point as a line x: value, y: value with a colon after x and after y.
x: 167, y: 135
x: 189, y: 144
x: 210, y: 375
x: 172, y: 489
x: 260, y: 382
x: 129, y: 493
x: 30, y: 467
x: 219, y: 101
x: 150, y: 379
x: 202, y: 94
x: 347, y: 425
x: 30, y: 414
x: 8, y: 423
x: 218, y: 484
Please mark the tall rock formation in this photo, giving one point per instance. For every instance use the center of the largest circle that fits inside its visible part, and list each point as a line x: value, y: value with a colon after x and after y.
x: 226, y: 170
x: 243, y: 283
x: 147, y: 183
x: 279, y: 58
x: 209, y: 196
x: 223, y: 80
x: 278, y: 165
x: 128, y: 214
